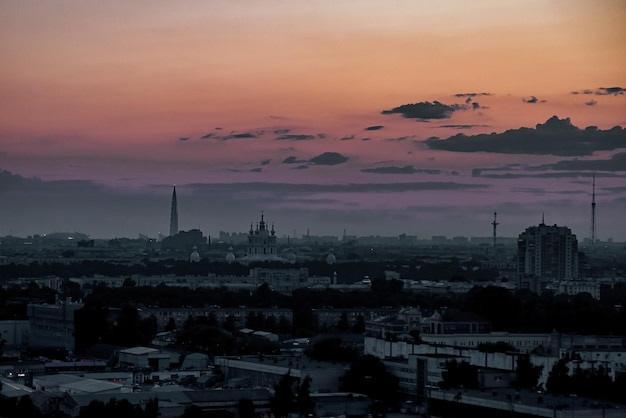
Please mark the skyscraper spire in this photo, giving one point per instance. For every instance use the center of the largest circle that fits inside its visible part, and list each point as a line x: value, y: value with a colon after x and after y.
x: 174, y: 215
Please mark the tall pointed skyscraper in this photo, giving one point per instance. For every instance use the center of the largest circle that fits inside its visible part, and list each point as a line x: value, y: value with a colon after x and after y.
x: 174, y: 215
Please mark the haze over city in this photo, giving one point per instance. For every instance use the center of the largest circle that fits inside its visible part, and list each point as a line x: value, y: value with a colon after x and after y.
x: 374, y: 117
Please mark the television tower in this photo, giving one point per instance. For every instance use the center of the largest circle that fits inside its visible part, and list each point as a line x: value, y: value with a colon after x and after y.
x: 593, y: 212
x: 174, y: 215
x: 495, y: 224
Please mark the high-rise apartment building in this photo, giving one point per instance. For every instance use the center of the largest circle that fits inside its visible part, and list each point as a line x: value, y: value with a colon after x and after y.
x: 547, y: 252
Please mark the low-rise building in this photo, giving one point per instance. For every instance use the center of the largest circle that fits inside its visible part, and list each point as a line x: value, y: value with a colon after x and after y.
x: 266, y: 371
x: 148, y: 358
x: 53, y: 326
x: 16, y: 335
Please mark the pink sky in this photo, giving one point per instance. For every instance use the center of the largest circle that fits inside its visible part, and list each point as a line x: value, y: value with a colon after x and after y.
x: 104, y: 92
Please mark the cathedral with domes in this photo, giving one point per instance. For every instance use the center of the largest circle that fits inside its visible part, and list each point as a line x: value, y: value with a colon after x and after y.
x: 261, y: 244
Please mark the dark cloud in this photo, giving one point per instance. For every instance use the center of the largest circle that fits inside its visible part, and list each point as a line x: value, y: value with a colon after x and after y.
x: 583, y: 92
x: 295, y: 137
x: 591, y: 103
x: 425, y: 110
x: 292, y: 160
x: 241, y: 136
x: 347, y: 138
x: 321, y: 136
x: 399, y: 138
x: 329, y: 158
x: 184, y: 138
x: 480, y: 172
x: 366, y: 139
x: 15, y: 184
x: 616, y: 163
x: 471, y: 95
x: 266, y: 162
x: 374, y: 128
x: 532, y: 100
x: 541, y: 191
x: 301, y: 188
x: 614, y: 190
x: 281, y: 131
x: 256, y: 170
x: 462, y: 126
x: 407, y: 169
x: 554, y: 137
x: 301, y: 167
x: 603, y: 91
x: 232, y: 135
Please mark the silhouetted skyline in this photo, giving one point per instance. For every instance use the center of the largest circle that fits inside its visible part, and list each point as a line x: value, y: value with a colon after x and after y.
x: 412, y: 117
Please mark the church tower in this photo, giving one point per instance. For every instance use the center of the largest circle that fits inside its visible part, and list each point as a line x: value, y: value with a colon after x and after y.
x: 262, y: 243
x: 174, y: 215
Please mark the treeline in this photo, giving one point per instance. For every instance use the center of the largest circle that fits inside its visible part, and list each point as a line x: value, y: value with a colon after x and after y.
x: 525, y: 311
x: 519, y: 311
x: 146, y: 267
x: 347, y: 272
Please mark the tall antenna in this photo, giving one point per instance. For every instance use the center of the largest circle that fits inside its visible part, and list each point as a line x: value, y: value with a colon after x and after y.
x: 495, y: 224
x: 593, y: 212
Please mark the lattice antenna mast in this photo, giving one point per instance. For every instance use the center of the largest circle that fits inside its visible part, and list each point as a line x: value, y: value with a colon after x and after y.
x: 495, y: 225
x: 593, y: 212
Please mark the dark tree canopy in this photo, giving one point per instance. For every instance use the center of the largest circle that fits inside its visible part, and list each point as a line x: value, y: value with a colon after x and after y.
x: 368, y: 376
x: 527, y: 373
x: 282, y: 403
x: 460, y: 374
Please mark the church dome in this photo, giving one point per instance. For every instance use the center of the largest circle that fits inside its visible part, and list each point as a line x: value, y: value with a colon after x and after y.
x: 230, y: 256
x: 194, y: 257
x: 331, y: 259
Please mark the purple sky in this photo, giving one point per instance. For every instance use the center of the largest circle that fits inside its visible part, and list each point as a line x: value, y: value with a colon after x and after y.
x: 367, y: 116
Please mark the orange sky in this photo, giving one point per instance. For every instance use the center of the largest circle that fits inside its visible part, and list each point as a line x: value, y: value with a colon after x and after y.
x: 115, y: 84
x: 120, y: 69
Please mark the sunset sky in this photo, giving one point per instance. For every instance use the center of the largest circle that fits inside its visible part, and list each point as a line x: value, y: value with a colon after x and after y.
x: 378, y: 117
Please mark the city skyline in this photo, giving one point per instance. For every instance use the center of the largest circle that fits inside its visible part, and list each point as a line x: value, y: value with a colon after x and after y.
x: 373, y: 117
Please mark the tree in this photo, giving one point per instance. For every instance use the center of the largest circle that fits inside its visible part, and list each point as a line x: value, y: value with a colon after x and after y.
x: 92, y: 326
x: 331, y: 349
x: 559, y: 380
x: 527, y: 373
x: 193, y: 411
x: 460, y: 374
x: 304, y: 402
x: 246, y: 408
x: 171, y: 324
x: 343, y: 324
x: 229, y: 324
x: 282, y: 401
x: 359, y: 325
x: 151, y: 410
x: 368, y: 375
